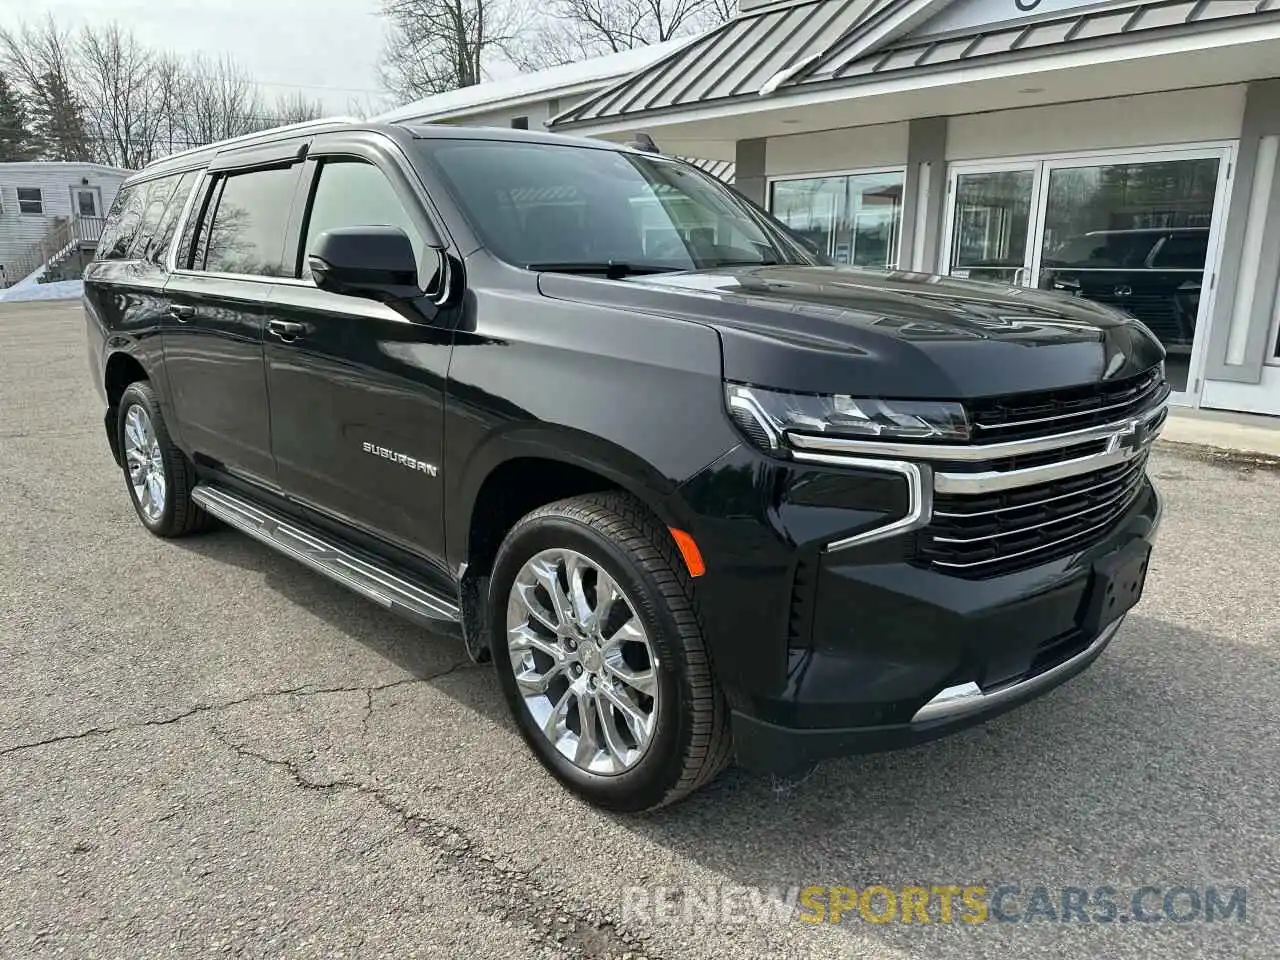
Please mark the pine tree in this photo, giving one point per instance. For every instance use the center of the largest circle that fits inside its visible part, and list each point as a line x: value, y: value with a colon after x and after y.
x: 16, y: 139
x: 59, y: 121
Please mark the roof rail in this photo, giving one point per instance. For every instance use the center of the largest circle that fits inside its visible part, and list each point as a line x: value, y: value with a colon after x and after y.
x: 248, y: 137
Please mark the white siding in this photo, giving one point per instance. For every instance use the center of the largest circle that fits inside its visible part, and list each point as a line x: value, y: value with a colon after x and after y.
x: 1186, y: 116
x: 18, y: 231
x: 853, y: 148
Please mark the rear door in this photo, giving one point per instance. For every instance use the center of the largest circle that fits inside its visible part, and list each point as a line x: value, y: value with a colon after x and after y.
x: 357, y: 389
x: 124, y: 287
x: 213, y: 333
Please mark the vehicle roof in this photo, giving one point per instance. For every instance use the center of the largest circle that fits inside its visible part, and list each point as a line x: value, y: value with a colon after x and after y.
x: 198, y: 156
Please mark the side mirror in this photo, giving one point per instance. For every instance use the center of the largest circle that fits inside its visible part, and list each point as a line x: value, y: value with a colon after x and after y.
x: 376, y: 263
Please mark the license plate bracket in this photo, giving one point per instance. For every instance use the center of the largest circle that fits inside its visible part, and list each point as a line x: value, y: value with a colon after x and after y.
x: 1117, y: 584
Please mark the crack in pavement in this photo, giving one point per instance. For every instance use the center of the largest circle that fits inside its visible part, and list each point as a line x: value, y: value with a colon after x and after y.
x: 304, y: 690
x: 502, y: 891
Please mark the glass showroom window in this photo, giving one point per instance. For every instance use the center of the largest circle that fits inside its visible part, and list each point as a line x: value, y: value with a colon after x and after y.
x: 852, y: 219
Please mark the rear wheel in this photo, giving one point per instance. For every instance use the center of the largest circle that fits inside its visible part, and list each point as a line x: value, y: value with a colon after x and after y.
x: 601, y: 657
x: 157, y: 474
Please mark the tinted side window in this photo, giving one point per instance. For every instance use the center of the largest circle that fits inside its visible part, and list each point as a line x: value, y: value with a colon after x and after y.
x: 123, y: 222
x: 157, y: 245
x: 245, y: 223
x: 352, y: 193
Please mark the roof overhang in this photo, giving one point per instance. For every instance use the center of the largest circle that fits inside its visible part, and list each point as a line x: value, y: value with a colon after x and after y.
x: 870, y: 65
x: 1223, y: 52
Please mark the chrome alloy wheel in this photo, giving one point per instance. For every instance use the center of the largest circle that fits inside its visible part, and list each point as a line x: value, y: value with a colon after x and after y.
x: 582, y: 661
x: 146, y: 466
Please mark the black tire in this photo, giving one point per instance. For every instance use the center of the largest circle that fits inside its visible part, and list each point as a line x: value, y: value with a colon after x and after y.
x: 181, y: 515
x: 691, y: 743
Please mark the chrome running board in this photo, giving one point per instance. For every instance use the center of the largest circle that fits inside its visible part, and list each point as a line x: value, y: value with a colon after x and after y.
x: 377, y: 583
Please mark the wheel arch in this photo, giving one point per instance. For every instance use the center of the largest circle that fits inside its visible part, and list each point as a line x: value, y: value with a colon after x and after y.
x: 519, y: 471
x: 121, y: 369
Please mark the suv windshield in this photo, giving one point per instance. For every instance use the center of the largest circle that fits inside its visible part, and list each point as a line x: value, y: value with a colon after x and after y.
x: 553, y: 206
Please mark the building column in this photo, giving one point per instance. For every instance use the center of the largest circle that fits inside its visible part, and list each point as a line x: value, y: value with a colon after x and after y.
x: 924, y: 194
x: 748, y: 174
x: 1247, y: 281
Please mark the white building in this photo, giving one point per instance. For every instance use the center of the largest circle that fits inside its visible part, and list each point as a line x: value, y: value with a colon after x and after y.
x: 51, y: 209
x: 1124, y: 150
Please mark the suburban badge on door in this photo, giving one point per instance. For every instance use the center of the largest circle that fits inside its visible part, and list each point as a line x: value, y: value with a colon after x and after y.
x: 405, y: 461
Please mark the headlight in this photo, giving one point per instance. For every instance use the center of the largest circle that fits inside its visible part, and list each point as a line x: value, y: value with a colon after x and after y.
x: 767, y: 416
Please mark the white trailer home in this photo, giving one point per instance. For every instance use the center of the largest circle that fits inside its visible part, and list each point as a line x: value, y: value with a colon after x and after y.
x: 51, y: 215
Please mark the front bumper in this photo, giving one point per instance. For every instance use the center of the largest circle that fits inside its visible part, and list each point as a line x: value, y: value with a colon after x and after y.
x: 902, y: 655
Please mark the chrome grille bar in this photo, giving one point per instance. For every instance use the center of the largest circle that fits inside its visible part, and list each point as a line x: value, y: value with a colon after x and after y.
x: 1053, y: 545
x: 1031, y: 505
x: 1124, y: 493
x: 1134, y: 401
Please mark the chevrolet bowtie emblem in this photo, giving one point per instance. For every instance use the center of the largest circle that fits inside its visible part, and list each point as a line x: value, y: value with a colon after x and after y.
x: 1134, y: 437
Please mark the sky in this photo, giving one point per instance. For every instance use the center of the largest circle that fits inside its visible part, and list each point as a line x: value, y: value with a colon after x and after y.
x: 328, y: 49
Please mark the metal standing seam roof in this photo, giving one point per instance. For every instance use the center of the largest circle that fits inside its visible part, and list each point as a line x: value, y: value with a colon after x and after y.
x: 824, y: 40
x: 737, y: 57
x: 848, y: 63
x: 720, y: 169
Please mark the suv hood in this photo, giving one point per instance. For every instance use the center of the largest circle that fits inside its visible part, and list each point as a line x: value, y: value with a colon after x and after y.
x: 882, y: 333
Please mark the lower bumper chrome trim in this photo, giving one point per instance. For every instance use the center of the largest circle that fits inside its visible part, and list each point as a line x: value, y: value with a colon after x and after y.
x: 966, y: 698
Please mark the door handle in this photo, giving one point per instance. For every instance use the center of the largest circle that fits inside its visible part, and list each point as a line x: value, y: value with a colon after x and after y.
x: 181, y: 312
x: 286, y: 330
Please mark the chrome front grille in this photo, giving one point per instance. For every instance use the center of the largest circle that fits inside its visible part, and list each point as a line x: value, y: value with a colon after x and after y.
x: 997, y: 533
x: 1042, y: 414
x: 1017, y: 496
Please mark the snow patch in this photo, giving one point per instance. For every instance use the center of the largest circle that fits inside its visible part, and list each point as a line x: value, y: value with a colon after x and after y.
x: 61, y: 290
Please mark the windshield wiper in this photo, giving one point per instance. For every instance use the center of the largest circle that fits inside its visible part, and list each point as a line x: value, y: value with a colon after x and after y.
x: 613, y: 269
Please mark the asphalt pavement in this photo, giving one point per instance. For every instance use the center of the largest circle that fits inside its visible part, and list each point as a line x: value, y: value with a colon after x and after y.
x: 208, y: 750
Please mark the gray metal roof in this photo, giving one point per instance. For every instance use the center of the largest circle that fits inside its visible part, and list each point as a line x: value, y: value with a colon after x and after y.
x: 1067, y: 28
x: 828, y: 41
x: 720, y: 169
x: 736, y: 58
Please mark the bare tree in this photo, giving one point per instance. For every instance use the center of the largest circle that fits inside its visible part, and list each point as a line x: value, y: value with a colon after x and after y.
x: 438, y: 45
x: 295, y: 108
x: 218, y: 100
x: 130, y: 94
x: 40, y: 61
x: 576, y: 30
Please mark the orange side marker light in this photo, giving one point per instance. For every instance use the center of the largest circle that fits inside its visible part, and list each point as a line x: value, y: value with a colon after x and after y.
x: 689, y: 550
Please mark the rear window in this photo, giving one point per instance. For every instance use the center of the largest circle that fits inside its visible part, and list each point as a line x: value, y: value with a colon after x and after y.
x: 143, y: 218
x: 156, y: 247
x: 244, y: 225
x: 123, y: 222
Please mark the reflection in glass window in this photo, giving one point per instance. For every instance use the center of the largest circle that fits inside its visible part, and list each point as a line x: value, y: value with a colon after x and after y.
x: 246, y: 234
x: 852, y: 219
x: 355, y: 194
x: 1134, y: 236
x: 992, y: 219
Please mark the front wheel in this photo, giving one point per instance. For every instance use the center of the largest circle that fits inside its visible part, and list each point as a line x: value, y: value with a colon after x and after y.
x: 601, y: 657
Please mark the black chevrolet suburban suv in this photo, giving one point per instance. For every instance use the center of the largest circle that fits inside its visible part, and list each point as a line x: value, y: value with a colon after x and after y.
x: 697, y: 493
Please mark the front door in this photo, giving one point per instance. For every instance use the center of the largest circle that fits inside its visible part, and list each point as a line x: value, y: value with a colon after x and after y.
x: 86, y: 202
x: 1136, y: 232
x: 357, y: 389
